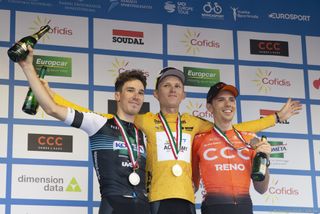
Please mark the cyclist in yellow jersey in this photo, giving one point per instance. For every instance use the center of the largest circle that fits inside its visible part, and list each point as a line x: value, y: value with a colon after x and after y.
x: 169, y: 141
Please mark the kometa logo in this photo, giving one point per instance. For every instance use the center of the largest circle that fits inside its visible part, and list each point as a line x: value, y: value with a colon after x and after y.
x: 268, y: 47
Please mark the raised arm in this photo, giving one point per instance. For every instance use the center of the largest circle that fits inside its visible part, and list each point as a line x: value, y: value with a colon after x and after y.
x: 42, y: 95
x: 292, y: 107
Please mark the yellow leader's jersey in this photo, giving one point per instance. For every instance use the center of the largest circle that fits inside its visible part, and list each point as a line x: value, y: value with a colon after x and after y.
x: 161, y: 182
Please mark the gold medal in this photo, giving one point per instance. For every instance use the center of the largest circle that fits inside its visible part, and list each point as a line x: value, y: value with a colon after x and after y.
x: 177, y: 170
x: 134, y: 178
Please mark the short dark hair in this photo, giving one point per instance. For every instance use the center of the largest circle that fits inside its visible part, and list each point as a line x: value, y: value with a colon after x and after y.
x: 129, y: 75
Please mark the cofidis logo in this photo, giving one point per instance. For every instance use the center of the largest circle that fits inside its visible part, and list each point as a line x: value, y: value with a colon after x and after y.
x: 55, y: 29
x: 265, y: 81
x: 194, y: 42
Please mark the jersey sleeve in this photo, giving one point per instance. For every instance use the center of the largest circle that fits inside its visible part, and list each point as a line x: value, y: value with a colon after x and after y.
x: 256, y: 125
x: 204, y: 125
x: 58, y: 99
x: 87, y: 121
x: 195, y: 162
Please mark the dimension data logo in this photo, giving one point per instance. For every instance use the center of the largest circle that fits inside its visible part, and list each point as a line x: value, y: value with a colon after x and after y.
x: 265, y: 81
x: 201, y: 77
x: 290, y: 17
x: 57, y: 66
x: 267, y: 112
x: 50, y: 143
x: 51, y: 183
x: 269, y: 47
x: 127, y: 37
x: 193, y: 42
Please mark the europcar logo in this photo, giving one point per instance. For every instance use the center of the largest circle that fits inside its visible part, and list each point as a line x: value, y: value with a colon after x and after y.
x: 119, y: 66
x: 57, y: 66
x: 55, y: 30
x: 276, y: 190
x: 193, y: 42
x: 196, y: 109
x: 265, y: 81
x: 201, y: 77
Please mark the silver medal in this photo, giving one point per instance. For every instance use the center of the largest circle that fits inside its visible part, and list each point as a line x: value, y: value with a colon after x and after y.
x: 134, y: 178
x: 177, y: 170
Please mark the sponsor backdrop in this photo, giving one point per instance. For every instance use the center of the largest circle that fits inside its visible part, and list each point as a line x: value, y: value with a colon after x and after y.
x: 270, y: 51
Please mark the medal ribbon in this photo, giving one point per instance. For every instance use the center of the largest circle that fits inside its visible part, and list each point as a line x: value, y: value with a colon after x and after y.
x: 240, y: 137
x: 128, y: 144
x: 175, y: 143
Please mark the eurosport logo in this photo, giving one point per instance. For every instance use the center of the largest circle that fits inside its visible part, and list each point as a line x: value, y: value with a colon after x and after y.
x: 290, y: 16
x: 127, y: 37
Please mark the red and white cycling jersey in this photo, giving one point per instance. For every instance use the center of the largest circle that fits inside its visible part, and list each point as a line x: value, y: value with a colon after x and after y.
x: 225, y: 171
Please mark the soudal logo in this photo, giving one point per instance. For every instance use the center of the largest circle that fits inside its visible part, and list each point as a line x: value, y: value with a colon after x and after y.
x: 51, y: 143
x: 194, y: 42
x: 268, y: 47
x: 265, y: 81
x: 127, y: 37
x: 266, y: 112
x: 112, y: 107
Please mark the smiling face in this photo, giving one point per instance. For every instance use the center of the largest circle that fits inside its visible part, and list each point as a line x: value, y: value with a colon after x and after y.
x: 170, y: 93
x: 223, y: 108
x: 130, y: 98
